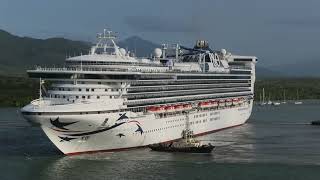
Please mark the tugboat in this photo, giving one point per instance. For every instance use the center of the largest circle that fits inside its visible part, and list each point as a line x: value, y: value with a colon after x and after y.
x: 187, y: 144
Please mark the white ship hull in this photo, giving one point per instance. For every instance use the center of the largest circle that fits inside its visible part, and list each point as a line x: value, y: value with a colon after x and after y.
x: 89, y: 133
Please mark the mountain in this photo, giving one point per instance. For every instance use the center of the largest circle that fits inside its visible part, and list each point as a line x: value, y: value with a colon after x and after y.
x: 21, y: 53
x: 141, y: 47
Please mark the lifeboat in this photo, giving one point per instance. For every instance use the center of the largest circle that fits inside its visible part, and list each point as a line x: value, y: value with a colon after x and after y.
x: 169, y: 108
x: 152, y: 109
x: 178, y: 107
x: 161, y: 109
x: 235, y: 101
x: 204, y: 104
x: 187, y: 106
x: 214, y: 103
x: 228, y: 102
x: 241, y: 100
x: 222, y: 103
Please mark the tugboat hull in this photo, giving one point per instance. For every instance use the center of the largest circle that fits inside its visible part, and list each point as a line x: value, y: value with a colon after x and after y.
x: 200, y: 149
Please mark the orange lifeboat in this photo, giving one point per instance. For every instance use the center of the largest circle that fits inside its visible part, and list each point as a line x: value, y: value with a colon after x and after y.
x: 222, y: 103
x: 241, y: 100
x: 152, y: 109
x: 228, y: 102
x: 161, y: 109
x: 178, y: 107
x: 169, y: 108
x: 204, y: 104
x: 214, y: 103
x: 187, y: 106
x: 235, y: 101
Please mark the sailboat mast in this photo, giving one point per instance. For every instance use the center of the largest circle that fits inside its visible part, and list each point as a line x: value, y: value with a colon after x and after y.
x: 260, y: 97
x: 263, y: 95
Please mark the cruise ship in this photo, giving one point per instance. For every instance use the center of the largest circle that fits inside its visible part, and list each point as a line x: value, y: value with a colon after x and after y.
x: 111, y: 100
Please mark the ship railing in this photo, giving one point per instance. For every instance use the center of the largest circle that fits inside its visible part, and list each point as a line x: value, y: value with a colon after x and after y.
x: 240, y: 67
x: 184, y: 98
x: 131, y: 69
x: 142, y: 95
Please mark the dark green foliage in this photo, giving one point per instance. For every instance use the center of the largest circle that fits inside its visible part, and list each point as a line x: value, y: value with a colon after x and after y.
x: 309, y: 88
x: 17, y: 91
x: 20, y: 53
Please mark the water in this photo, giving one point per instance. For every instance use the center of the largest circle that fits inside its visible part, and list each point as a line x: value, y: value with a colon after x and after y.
x: 276, y: 143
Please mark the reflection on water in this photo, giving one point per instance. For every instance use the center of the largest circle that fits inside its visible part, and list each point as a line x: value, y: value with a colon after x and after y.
x: 277, y: 135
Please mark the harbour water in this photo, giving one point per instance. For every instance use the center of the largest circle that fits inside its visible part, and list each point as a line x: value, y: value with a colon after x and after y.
x: 276, y: 143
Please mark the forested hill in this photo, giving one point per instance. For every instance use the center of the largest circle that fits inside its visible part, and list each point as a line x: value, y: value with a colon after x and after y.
x: 21, y: 53
x: 18, y: 53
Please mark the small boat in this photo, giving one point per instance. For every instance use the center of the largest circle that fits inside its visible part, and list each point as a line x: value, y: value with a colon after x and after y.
x: 235, y: 101
x: 187, y: 144
x: 179, y: 107
x: 204, y: 104
x: 228, y: 102
x: 214, y: 103
x: 241, y: 100
x: 187, y: 106
x: 153, y: 109
x: 169, y: 108
x: 276, y: 103
x: 222, y: 103
x: 161, y: 109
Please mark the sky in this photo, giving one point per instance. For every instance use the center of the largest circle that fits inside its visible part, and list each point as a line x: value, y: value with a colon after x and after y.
x: 276, y: 31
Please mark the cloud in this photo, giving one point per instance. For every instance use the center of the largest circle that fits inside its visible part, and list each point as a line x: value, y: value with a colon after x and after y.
x: 160, y: 24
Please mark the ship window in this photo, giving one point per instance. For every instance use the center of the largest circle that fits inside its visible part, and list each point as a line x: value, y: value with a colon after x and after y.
x: 77, y: 97
x: 99, y: 82
x: 105, y: 89
x: 98, y: 97
x: 83, y: 97
x: 92, y: 89
x: 79, y: 89
x: 68, y: 89
x: 88, y: 97
x: 87, y: 89
x: 64, y: 96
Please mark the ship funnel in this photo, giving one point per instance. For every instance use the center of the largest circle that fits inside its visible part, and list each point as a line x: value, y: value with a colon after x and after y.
x: 201, y: 44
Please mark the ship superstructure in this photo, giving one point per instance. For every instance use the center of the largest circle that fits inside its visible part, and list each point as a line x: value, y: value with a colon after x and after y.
x: 111, y: 100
